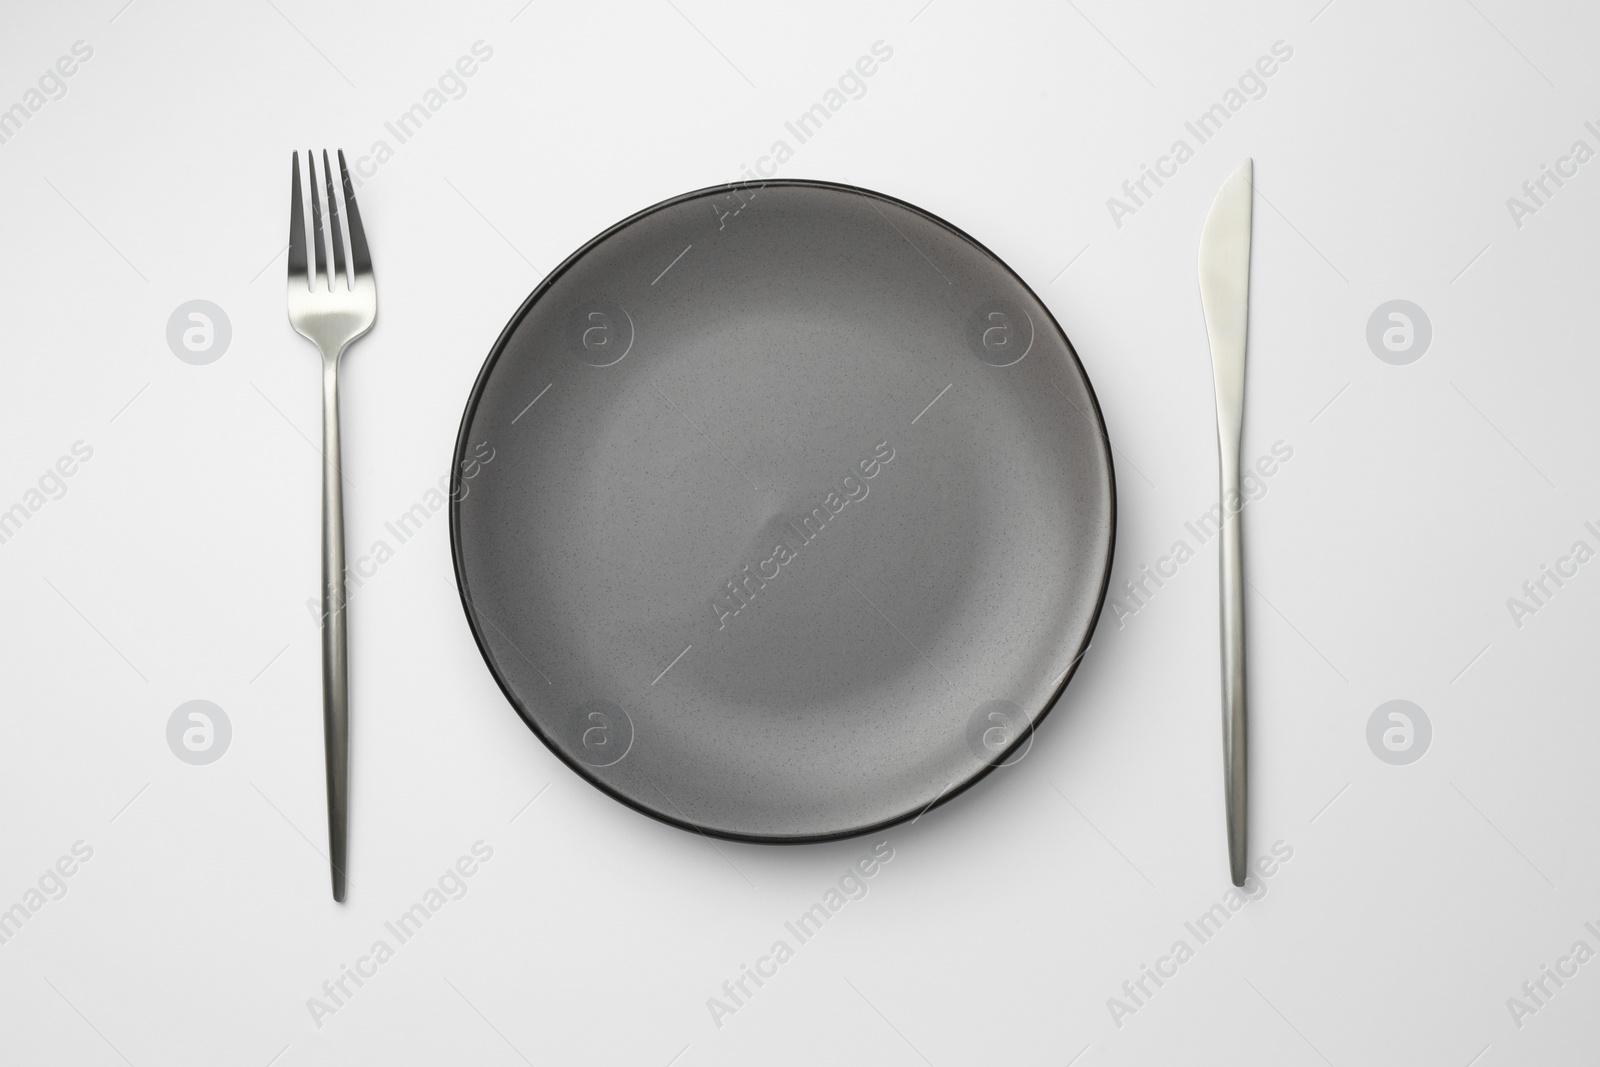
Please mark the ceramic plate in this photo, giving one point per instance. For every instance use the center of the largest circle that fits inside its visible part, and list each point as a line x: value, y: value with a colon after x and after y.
x: 783, y: 513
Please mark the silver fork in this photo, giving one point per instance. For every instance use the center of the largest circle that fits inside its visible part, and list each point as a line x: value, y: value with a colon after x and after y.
x: 332, y: 310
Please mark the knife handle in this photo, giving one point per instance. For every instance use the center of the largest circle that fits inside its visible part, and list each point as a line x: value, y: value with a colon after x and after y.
x: 1234, y: 763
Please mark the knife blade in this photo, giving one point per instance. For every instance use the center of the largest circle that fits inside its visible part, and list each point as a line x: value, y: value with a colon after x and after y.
x: 1225, y: 299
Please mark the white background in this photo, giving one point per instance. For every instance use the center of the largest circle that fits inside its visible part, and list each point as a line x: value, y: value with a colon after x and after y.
x: 1419, y: 498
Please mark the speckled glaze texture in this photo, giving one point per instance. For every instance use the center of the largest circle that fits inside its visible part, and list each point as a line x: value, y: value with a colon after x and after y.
x: 799, y: 514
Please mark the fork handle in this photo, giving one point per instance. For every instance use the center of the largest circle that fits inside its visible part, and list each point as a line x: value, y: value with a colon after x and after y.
x: 1231, y: 566
x: 335, y: 665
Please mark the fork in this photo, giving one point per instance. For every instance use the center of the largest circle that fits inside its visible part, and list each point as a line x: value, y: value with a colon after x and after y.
x: 331, y: 310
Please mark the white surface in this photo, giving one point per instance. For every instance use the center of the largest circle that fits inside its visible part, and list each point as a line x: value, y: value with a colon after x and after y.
x: 178, y: 564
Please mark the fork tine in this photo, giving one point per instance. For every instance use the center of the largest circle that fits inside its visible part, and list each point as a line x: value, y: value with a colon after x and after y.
x: 360, y: 261
x: 335, y: 236
x: 297, y: 227
x: 316, y: 225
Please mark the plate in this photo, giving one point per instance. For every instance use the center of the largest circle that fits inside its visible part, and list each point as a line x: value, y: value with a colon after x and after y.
x: 783, y: 512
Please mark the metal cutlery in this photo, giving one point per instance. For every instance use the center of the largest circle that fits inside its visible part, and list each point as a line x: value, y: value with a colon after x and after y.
x: 1225, y: 297
x: 331, y: 309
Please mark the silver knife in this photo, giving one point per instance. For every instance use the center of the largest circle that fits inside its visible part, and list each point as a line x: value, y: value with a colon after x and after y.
x: 1225, y: 296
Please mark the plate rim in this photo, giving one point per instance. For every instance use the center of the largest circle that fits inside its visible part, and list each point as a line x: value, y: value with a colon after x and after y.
x: 459, y: 457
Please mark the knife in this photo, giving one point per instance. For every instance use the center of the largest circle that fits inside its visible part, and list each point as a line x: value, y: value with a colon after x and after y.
x: 1225, y: 297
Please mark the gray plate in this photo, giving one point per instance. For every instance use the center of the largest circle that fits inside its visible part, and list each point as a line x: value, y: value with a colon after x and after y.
x: 783, y: 513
